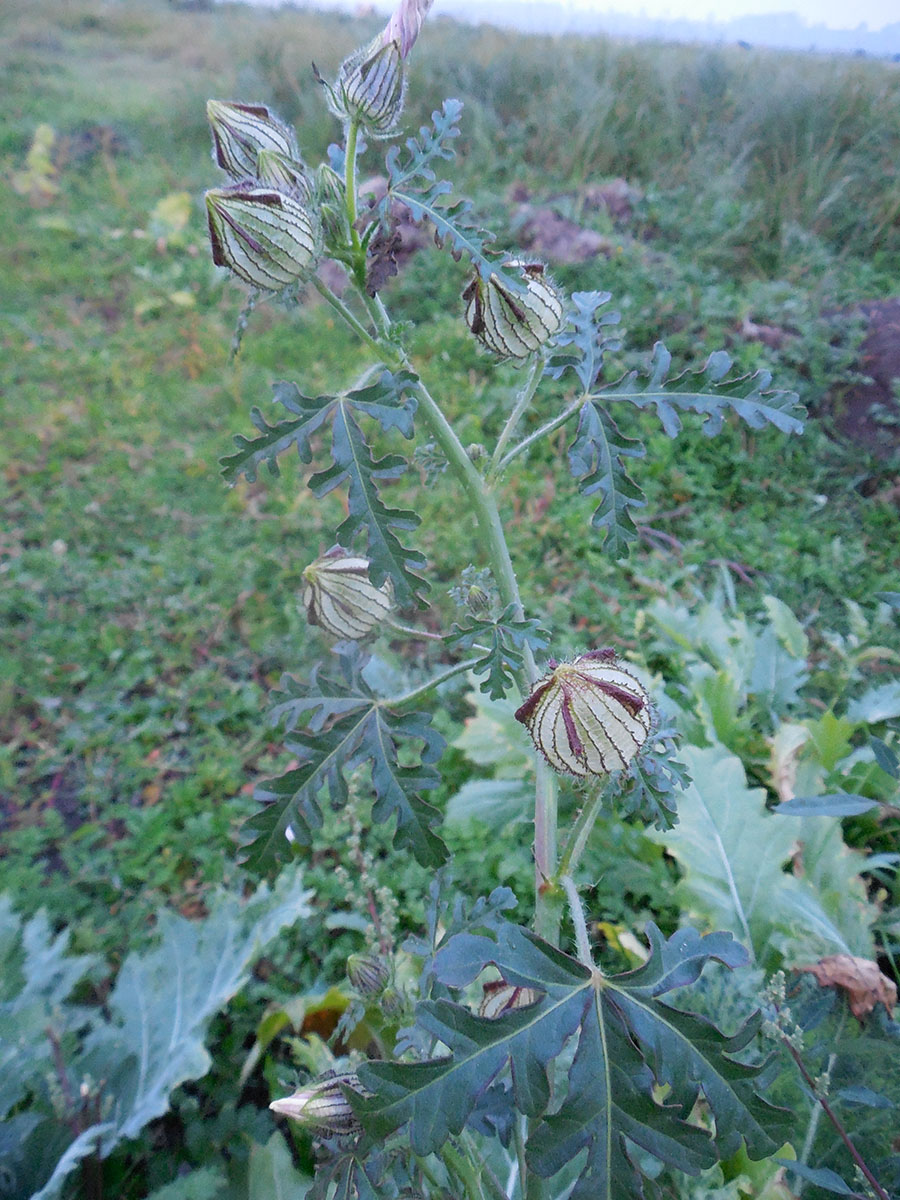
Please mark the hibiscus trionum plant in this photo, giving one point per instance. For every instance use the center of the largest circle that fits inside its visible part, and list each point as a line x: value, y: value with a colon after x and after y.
x: 521, y: 1069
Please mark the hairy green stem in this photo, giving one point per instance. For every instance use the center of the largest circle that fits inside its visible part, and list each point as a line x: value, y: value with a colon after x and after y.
x: 557, y: 421
x: 581, y: 831
x: 519, y: 1123
x: 484, y: 507
x: 576, y: 912
x: 412, y: 631
x: 341, y: 308
x: 523, y: 399
x: 423, y: 690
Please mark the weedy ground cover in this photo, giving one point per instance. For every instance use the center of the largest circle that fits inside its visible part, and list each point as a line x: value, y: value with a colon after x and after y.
x: 147, y: 611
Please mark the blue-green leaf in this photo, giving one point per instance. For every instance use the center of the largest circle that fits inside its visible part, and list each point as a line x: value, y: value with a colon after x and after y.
x: 309, y: 414
x: 840, y: 804
x: 597, y: 458
x: 354, y: 466
x: 629, y: 1042
x: 582, y: 344
x: 748, y: 396
x: 433, y: 143
x: 347, y: 727
x: 506, y: 638
x: 822, y: 1177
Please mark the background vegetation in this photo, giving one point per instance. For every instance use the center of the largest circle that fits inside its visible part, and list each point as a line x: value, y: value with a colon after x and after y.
x: 146, y: 611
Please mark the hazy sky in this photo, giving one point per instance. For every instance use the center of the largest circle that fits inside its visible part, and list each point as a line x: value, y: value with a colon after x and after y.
x: 839, y: 14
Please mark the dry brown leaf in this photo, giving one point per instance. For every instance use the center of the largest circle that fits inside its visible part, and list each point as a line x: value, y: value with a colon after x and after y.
x: 863, y: 982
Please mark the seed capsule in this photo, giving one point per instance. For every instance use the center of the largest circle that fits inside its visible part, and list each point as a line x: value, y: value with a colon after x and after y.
x: 588, y: 717
x: 322, y: 1107
x: 370, y: 88
x: 500, y: 997
x: 368, y: 973
x: 266, y: 237
x: 240, y: 131
x: 339, y: 596
x: 514, y: 324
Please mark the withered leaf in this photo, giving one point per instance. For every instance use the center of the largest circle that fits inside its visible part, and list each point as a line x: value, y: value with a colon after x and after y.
x: 861, y: 978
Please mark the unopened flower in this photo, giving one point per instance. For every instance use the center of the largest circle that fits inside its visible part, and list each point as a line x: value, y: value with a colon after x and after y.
x: 513, y: 324
x: 322, y: 1107
x: 369, y: 973
x: 339, y: 596
x: 276, y: 170
x: 405, y: 24
x: 588, y: 717
x: 370, y: 87
x: 500, y: 997
x: 241, y: 131
x: 266, y: 237
x: 330, y: 203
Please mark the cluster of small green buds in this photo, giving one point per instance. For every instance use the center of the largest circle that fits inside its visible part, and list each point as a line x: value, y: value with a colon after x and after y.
x: 323, y: 1108
x: 339, y: 596
x: 266, y: 237
x: 588, y: 717
x: 500, y: 997
x: 513, y: 324
x: 260, y: 226
x: 368, y: 973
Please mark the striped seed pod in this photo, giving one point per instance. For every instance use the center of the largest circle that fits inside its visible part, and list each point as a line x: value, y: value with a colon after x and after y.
x: 322, y: 1107
x: 500, y: 997
x: 514, y: 324
x: 276, y: 170
x: 240, y: 131
x: 368, y: 973
x: 370, y: 88
x: 266, y: 237
x: 339, y: 596
x: 588, y: 717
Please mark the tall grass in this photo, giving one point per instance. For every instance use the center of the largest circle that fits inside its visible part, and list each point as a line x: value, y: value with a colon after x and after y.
x: 796, y: 140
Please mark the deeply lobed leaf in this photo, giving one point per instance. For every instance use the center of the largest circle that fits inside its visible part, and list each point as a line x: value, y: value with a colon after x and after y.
x: 629, y: 1042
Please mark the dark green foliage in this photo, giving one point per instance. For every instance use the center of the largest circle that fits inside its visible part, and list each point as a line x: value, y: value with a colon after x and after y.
x: 348, y: 726
x: 598, y: 459
x: 628, y: 1040
x: 390, y: 403
x: 506, y: 637
x: 756, y: 407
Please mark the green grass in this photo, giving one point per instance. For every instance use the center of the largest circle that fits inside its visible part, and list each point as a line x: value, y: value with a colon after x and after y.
x: 146, y: 610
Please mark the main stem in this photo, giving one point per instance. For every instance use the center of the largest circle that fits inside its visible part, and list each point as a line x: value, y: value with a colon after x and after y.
x: 484, y: 507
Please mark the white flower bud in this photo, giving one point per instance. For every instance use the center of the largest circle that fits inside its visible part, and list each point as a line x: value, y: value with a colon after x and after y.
x: 266, y: 237
x: 339, y: 596
x: 240, y: 131
x: 322, y: 1107
x: 514, y: 324
x: 588, y: 717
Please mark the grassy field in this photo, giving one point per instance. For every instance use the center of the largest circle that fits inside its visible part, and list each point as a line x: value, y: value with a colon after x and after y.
x: 146, y: 609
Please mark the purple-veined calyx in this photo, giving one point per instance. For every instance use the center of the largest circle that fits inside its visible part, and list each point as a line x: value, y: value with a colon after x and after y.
x: 241, y: 131
x: 266, y: 237
x: 513, y: 324
x: 339, y: 596
x: 323, y: 1107
x: 590, y: 716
